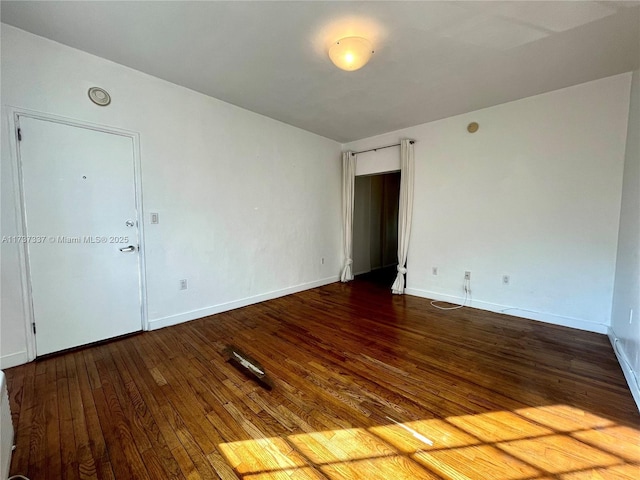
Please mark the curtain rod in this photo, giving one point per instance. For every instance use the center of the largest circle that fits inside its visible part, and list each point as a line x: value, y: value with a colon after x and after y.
x: 380, y: 148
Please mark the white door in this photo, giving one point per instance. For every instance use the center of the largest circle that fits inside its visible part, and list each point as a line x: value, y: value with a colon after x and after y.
x: 82, y: 233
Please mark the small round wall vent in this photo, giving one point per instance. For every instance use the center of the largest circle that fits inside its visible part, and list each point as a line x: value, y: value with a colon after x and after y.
x: 99, y: 96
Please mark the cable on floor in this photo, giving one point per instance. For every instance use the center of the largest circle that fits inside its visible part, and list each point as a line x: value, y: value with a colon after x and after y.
x: 467, y: 292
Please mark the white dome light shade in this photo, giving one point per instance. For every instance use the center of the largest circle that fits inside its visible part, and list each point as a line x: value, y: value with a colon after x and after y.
x: 351, y: 53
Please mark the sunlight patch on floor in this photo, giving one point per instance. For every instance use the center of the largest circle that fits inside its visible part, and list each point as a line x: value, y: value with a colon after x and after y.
x: 525, y: 444
x: 303, y: 473
x: 563, y: 418
x: 621, y: 441
x: 264, y: 454
x: 440, y: 432
x: 499, y: 426
x: 558, y: 454
x: 478, y: 461
x: 618, y: 472
x: 394, y: 467
x: 340, y: 445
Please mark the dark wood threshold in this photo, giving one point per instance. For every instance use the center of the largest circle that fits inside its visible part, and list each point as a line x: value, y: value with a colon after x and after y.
x: 40, y: 358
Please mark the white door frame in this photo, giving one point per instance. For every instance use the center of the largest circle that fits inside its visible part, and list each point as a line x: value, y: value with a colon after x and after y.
x: 14, y: 115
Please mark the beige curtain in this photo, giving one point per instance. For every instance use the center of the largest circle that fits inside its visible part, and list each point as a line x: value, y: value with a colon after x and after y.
x: 348, y: 186
x: 405, y: 211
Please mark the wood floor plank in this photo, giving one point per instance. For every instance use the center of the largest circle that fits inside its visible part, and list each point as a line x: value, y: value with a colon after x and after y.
x: 68, y: 450
x: 37, y: 427
x: 86, y: 466
x: 97, y: 443
x: 123, y: 452
x: 154, y: 399
x: 143, y: 418
x: 53, y: 463
x: 16, y: 377
x: 366, y: 385
x: 21, y: 401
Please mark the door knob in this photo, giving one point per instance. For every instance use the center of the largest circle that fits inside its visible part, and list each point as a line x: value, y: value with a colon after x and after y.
x: 130, y: 248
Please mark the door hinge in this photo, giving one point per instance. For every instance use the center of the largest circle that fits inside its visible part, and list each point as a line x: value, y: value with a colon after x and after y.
x: 34, y: 327
x: 19, y: 135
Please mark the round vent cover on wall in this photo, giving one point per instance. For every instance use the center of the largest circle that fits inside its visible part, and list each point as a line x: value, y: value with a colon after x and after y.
x: 99, y: 96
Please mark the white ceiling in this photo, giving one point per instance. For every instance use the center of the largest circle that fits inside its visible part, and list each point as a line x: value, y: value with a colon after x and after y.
x: 432, y: 59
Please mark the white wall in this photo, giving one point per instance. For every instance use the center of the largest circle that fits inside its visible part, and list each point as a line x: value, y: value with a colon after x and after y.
x: 248, y: 205
x: 625, y: 317
x: 379, y: 161
x: 534, y: 194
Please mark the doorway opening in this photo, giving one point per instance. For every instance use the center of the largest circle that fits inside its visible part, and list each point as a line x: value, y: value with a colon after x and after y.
x: 375, y: 228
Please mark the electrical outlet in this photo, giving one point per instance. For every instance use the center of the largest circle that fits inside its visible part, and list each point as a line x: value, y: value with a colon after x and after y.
x: 505, y: 279
x: 183, y: 284
x: 467, y: 275
x: 434, y: 270
x: 155, y: 218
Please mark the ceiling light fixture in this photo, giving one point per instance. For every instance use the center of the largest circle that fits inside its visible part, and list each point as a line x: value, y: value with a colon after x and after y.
x: 351, y: 53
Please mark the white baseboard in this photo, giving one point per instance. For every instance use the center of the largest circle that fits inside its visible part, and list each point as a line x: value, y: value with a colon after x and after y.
x: 223, y: 307
x: 13, y: 360
x: 515, y: 311
x: 623, y: 360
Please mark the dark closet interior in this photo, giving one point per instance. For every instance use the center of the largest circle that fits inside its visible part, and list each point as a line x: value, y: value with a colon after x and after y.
x: 375, y: 224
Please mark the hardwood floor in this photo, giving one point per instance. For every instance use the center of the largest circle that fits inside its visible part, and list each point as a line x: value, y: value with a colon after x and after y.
x: 367, y: 385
